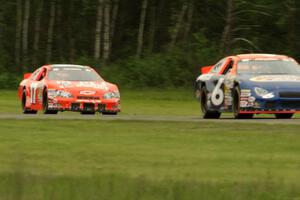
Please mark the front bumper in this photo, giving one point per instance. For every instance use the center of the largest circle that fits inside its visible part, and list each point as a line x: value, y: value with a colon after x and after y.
x: 273, y: 106
x: 80, y: 105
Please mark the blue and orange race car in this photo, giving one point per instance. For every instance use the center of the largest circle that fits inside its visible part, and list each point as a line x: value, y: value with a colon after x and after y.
x: 250, y: 84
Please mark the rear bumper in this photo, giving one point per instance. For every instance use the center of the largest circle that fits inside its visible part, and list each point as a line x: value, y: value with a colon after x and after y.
x: 109, y: 105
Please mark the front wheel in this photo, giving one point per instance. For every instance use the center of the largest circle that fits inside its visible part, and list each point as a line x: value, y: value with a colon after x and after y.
x: 23, y: 104
x: 207, y: 114
x: 45, y: 105
x: 236, y: 106
x: 284, y: 115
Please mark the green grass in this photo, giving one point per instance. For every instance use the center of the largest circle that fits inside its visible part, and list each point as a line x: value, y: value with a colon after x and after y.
x: 167, y: 158
x: 9, y: 102
x: 97, y: 159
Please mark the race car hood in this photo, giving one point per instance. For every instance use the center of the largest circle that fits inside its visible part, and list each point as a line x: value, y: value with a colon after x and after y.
x: 83, y: 87
x: 271, y: 82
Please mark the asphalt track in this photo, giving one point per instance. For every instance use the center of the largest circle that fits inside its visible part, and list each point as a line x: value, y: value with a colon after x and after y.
x: 160, y: 118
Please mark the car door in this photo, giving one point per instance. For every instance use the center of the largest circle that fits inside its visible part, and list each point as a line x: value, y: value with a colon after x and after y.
x: 215, y: 85
x: 36, y: 87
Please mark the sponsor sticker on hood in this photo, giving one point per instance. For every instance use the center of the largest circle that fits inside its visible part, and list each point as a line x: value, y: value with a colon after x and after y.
x: 101, y: 86
x: 276, y: 78
x: 86, y: 92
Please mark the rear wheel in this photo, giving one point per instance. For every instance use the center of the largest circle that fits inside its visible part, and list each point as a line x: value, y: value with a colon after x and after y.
x: 207, y: 114
x: 23, y: 104
x: 236, y: 106
x: 284, y: 115
x: 45, y: 105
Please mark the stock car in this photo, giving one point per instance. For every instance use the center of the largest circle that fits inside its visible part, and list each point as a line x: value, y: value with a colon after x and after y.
x: 64, y: 87
x: 249, y: 84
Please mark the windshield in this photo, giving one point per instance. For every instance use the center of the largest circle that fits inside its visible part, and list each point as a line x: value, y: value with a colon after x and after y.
x: 268, y: 67
x: 73, y: 74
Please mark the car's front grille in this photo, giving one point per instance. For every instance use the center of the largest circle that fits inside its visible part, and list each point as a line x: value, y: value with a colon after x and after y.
x: 290, y: 104
x: 289, y: 94
x: 75, y: 106
x: 270, y: 104
x: 101, y: 107
x: 88, y: 106
x: 88, y: 98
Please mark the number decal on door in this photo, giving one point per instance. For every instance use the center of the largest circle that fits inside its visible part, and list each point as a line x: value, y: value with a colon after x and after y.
x: 217, y: 96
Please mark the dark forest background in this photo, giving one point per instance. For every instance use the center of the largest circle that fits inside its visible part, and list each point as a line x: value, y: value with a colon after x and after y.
x: 141, y: 43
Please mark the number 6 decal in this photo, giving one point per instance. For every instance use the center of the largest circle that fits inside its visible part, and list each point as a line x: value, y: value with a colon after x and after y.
x: 217, y: 96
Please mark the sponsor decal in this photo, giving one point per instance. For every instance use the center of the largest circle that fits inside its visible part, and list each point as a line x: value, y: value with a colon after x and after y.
x: 229, y: 83
x: 245, y: 94
x: 277, y: 78
x: 250, y: 104
x: 246, y: 91
x: 88, y: 100
x: 95, y: 85
x: 86, y: 92
x: 244, y: 98
x: 251, y: 99
x: 243, y: 104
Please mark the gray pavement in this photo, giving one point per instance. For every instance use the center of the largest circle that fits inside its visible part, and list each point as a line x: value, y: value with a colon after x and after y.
x: 160, y: 118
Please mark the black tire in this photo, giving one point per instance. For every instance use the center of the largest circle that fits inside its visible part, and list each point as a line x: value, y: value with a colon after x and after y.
x: 45, y: 105
x: 197, y: 91
x: 207, y: 114
x: 23, y: 104
x: 284, y: 115
x: 109, y: 113
x: 236, y: 106
x: 87, y: 112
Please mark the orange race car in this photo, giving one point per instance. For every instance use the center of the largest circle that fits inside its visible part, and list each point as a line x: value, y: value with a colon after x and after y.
x: 62, y: 87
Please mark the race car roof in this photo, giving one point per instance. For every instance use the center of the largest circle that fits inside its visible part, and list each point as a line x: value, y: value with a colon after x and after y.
x: 68, y: 65
x: 258, y: 56
x: 51, y: 66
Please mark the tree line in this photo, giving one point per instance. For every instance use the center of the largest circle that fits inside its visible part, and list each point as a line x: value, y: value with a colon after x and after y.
x: 154, y: 35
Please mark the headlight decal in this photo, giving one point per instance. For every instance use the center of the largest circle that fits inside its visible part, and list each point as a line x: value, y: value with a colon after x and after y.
x: 111, y: 95
x: 263, y: 93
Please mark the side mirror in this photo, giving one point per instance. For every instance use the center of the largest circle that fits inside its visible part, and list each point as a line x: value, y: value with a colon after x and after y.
x: 27, y: 75
x: 205, y: 69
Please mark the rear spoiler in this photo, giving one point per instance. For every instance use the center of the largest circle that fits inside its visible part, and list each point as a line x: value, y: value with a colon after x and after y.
x: 205, y: 69
x: 27, y: 75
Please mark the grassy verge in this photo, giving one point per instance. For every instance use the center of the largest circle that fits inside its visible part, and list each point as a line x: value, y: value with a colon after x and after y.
x: 119, y: 187
x: 148, y: 160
